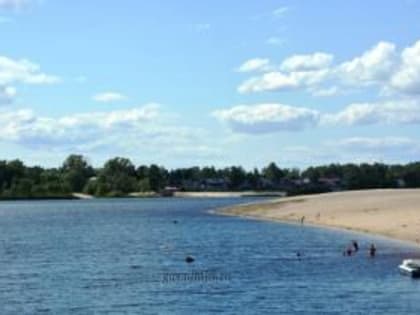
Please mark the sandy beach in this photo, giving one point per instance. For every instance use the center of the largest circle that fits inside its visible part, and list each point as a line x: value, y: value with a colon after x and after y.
x: 393, y: 213
x: 226, y: 194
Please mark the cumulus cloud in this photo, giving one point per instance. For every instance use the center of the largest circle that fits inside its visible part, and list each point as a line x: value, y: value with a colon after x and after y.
x: 373, y: 66
x: 315, y: 61
x: 381, y: 66
x: 275, y: 81
x: 146, y: 129
x: 266, y: 118
x: 108, y: 97
x: 256, y: 64
x: 390, y: 112
x: 7, y: 93
x: 23, y: 71
x: 27, y: 128
x: 407, y: 77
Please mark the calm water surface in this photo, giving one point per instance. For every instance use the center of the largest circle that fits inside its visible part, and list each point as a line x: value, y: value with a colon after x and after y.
x: 127, y: 256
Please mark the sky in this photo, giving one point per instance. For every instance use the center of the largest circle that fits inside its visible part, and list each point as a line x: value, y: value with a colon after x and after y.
x: 183, y: 83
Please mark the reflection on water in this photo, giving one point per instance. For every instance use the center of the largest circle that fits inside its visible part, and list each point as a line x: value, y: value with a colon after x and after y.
x: 127, y: 256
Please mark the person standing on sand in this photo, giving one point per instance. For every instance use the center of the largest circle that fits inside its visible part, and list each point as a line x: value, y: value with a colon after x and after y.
x: 302, y: 220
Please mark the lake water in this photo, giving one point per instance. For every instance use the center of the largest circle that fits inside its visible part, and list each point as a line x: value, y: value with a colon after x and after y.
x: 127, y: 256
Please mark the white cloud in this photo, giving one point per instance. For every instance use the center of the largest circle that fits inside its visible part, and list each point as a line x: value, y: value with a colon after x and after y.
x: 256, y: 64
x: 146, y: 129
x: 280, y: 12
x: 373, y: 66
x: 407, y: 77
x: 108, y: 97
x: 23, y: 71
x: 278, y: 81
x: 331, y: 91
x: 25, y: 127
x: 315, y: 61
x: 390, y: 112
x: 7, y: 94
x: 381, y: 66
x: 266, y: 118
x: 371, y: 143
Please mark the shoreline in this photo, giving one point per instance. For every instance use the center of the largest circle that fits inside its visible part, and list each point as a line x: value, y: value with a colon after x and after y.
x: 393, y: 214
x: 137, y: 195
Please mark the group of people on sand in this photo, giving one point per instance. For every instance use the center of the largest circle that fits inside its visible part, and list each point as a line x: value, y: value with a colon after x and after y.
x: 353, y: 248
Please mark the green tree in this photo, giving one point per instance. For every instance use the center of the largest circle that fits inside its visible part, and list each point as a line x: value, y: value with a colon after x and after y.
x: 273, y: 172
x: 76, y: 172
x: 118, y: 176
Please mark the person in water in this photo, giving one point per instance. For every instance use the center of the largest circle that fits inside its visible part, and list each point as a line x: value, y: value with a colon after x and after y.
x: 372, y: 250
x: 348, y: 251
x: 355, y: 246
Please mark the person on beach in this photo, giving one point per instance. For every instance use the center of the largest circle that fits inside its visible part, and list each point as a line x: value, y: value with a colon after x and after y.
x: 302, y: 220
x: 372, y: 250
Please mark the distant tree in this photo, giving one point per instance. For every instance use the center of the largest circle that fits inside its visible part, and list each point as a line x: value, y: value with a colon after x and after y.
x: 144, y: 185
x: 118, y: 176
x: 236, y: 176
x: 273, y: 173
x: 76, y: 172
x: 157, y: 177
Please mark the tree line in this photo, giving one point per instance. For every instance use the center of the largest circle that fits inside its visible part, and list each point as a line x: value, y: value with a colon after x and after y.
x: 119, y: 177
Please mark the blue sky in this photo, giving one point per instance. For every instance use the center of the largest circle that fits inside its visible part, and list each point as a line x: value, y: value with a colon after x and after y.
x: 184, y: 83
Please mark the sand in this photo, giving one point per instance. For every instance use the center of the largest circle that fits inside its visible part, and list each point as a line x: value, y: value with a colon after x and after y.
x: 394, y: 213
x: 226, y: 194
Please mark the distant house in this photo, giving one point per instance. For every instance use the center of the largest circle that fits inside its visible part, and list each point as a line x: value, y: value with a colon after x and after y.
x: 333, y: 183
x: 214, y: 184
x: 169, y: 191
x: 301, y: 181
x: 190, y: 185
x: 400, y: 183
x: 266, y: 184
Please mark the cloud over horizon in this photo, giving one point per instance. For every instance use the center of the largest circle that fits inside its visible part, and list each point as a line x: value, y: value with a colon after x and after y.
x: 266, y: 118
x: 274, y: 117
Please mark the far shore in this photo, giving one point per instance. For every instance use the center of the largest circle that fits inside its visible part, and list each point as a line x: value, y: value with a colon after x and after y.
x: 151, y: 194
x: 394, y: 213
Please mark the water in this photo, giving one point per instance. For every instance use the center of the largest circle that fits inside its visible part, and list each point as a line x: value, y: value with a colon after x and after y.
x: 127, y: 256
